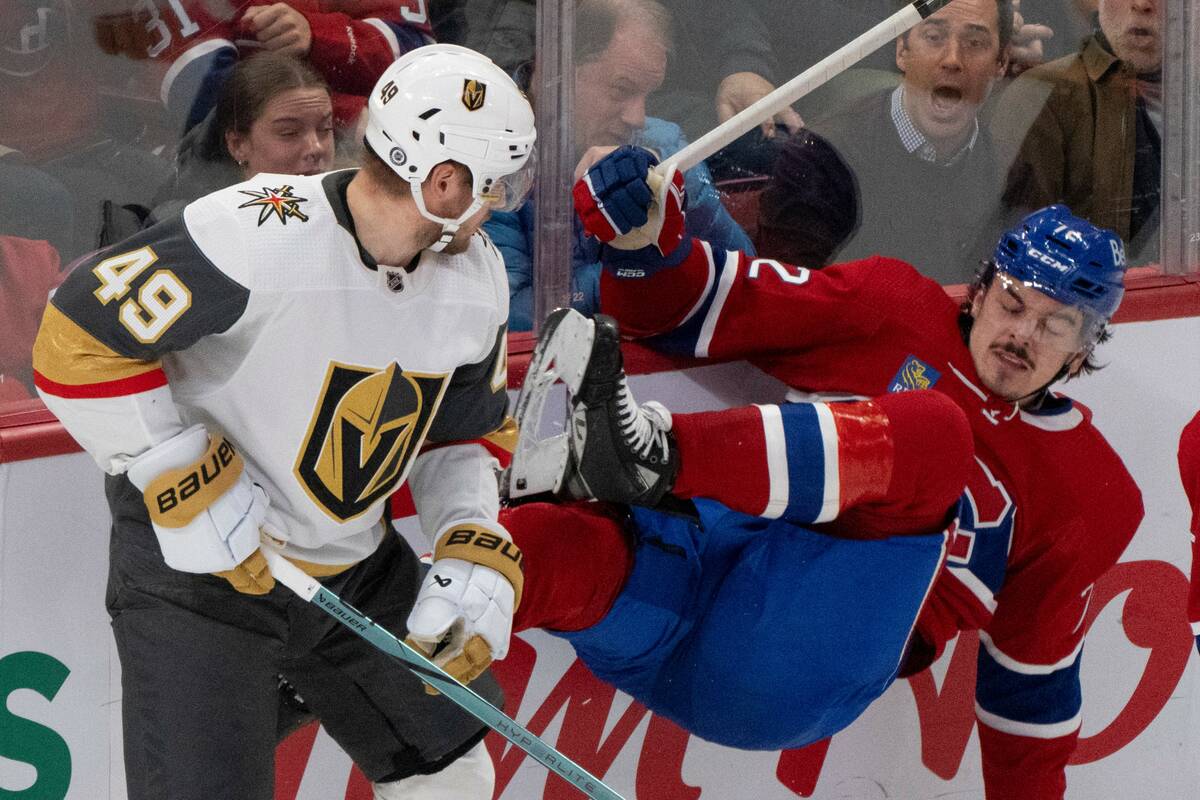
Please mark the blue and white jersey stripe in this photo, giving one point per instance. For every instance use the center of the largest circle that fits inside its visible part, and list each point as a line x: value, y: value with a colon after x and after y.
x: 1041, y: 701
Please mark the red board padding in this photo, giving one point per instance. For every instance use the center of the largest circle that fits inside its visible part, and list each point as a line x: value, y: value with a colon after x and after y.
x: 28, y: 430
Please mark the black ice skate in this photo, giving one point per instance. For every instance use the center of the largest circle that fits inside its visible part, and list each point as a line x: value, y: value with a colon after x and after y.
x: 613, y: 450
x: 620, y: 452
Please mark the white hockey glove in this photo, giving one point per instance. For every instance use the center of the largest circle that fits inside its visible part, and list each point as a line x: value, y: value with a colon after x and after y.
x: 463, y: 615
x: 204, y: 509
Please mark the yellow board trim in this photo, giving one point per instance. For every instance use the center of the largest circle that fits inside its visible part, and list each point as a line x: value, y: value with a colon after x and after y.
x: 177, y: 497
x: 67, y: 354
x: 478, y: 545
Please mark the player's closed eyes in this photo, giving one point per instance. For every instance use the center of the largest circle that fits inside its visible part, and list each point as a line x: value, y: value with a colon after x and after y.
x: 1053, y: 329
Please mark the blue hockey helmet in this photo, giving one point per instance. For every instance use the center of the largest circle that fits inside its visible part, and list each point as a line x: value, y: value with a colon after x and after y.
x: 1067, y: 258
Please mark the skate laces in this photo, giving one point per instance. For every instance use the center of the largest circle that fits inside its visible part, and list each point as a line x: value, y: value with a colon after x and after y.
x: 643, y: 428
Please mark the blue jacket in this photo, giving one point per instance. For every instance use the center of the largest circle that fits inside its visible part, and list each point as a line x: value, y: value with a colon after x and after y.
x: 513, y: 233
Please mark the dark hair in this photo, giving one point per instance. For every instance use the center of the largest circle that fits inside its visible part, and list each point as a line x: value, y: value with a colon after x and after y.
x: 983, y: 280
x: 1004, y: 19
x: 253, y: 83
x: 597, y: 20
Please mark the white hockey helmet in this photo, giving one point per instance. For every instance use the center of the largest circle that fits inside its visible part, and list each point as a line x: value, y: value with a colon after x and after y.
x: 441, y: 103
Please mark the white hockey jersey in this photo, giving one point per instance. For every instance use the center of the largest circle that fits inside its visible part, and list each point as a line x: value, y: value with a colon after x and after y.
x: 257, y: 313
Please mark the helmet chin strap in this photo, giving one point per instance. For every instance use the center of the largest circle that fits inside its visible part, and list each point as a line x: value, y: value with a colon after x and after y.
x: 449, y: 226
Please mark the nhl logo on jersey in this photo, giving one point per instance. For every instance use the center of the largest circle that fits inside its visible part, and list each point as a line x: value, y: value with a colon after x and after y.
x: 394, y: 279
x: 367, y: 427
x: 473, y: 94
x: 914, y: 374
x: 275, y: 203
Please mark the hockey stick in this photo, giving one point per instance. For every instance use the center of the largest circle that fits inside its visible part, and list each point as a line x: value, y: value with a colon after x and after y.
x: 824, y: 70
x: 311, y: 590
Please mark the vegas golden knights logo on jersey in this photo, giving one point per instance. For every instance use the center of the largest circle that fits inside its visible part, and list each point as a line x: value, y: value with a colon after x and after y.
x: 364, y: 434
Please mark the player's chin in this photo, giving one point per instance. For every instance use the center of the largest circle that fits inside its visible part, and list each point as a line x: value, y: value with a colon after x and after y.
x: 1006, y: 382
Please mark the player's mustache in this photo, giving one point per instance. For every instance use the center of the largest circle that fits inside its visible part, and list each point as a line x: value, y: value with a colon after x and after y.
x: 1016, y: 350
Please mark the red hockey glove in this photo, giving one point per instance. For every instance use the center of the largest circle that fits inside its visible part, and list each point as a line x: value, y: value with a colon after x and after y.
x: 626, y: 204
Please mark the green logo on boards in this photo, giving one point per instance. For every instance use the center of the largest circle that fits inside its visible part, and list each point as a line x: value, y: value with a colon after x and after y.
x: 26, y: 741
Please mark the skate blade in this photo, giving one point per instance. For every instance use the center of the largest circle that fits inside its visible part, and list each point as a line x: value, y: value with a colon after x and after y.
x: 537, y: 469
x: 562, y: 353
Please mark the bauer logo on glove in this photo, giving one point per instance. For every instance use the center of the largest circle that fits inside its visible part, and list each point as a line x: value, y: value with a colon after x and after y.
x: 212, y: 475
x: 462, y: 617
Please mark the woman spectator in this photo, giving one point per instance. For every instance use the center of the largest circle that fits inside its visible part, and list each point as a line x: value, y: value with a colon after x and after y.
x: 275, y: 114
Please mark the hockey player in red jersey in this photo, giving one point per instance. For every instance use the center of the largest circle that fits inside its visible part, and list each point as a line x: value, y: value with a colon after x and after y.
x: 278, y: 358
x: 1189, y: 473
x: 195, y: 43
x: 819, y: 502
x: 1036, y: 530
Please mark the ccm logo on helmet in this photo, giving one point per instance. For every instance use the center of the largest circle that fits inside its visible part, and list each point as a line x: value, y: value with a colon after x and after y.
x: 1048, y: 260
x: 200, y: 475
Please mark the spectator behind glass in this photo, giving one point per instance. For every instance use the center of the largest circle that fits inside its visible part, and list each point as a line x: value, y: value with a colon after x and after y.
x: 196, y: 43
x: 274, y: 115
x: 503, y: 30
x: 29, y: 270
x: 732, y: 53
x: 908, y: 171
x: 622, y: 52
x: 1086, y: 130
x: 66, y: 146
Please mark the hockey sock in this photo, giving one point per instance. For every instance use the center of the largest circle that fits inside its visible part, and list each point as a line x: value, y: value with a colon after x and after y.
x: 815, y: 462
x: 933, y: 453
x: 577, y: 557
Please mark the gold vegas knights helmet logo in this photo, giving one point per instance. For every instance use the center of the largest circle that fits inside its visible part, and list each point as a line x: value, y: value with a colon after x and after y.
x: 364, y: 433
x: 473, y: 93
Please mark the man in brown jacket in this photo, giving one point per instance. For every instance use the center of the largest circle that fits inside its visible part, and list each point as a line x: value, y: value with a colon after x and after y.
x: 1085, y: 130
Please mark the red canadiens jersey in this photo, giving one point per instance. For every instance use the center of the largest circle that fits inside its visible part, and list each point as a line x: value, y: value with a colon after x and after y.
x: 194, y: 43
x: 1189, y: 473
x: 1036, y: 530
x: 29, y: 271
x: 50, y: 102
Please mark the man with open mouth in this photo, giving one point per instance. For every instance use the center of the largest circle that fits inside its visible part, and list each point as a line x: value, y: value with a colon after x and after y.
x: 848, y: 187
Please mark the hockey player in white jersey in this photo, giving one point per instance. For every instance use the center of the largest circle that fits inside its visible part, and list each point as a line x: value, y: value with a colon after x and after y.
x: 277, y: 360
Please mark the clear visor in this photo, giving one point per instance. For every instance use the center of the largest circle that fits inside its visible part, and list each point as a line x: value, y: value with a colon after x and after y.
x: 508, y: 192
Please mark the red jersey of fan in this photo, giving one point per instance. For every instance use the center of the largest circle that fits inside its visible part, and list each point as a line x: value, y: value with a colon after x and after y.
x: 29, y: 271
x: 194, y: 43
x: 50, y: 103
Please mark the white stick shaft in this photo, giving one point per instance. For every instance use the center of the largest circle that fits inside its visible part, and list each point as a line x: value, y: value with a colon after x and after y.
x: 816, y: 75
x: 289, y: 574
